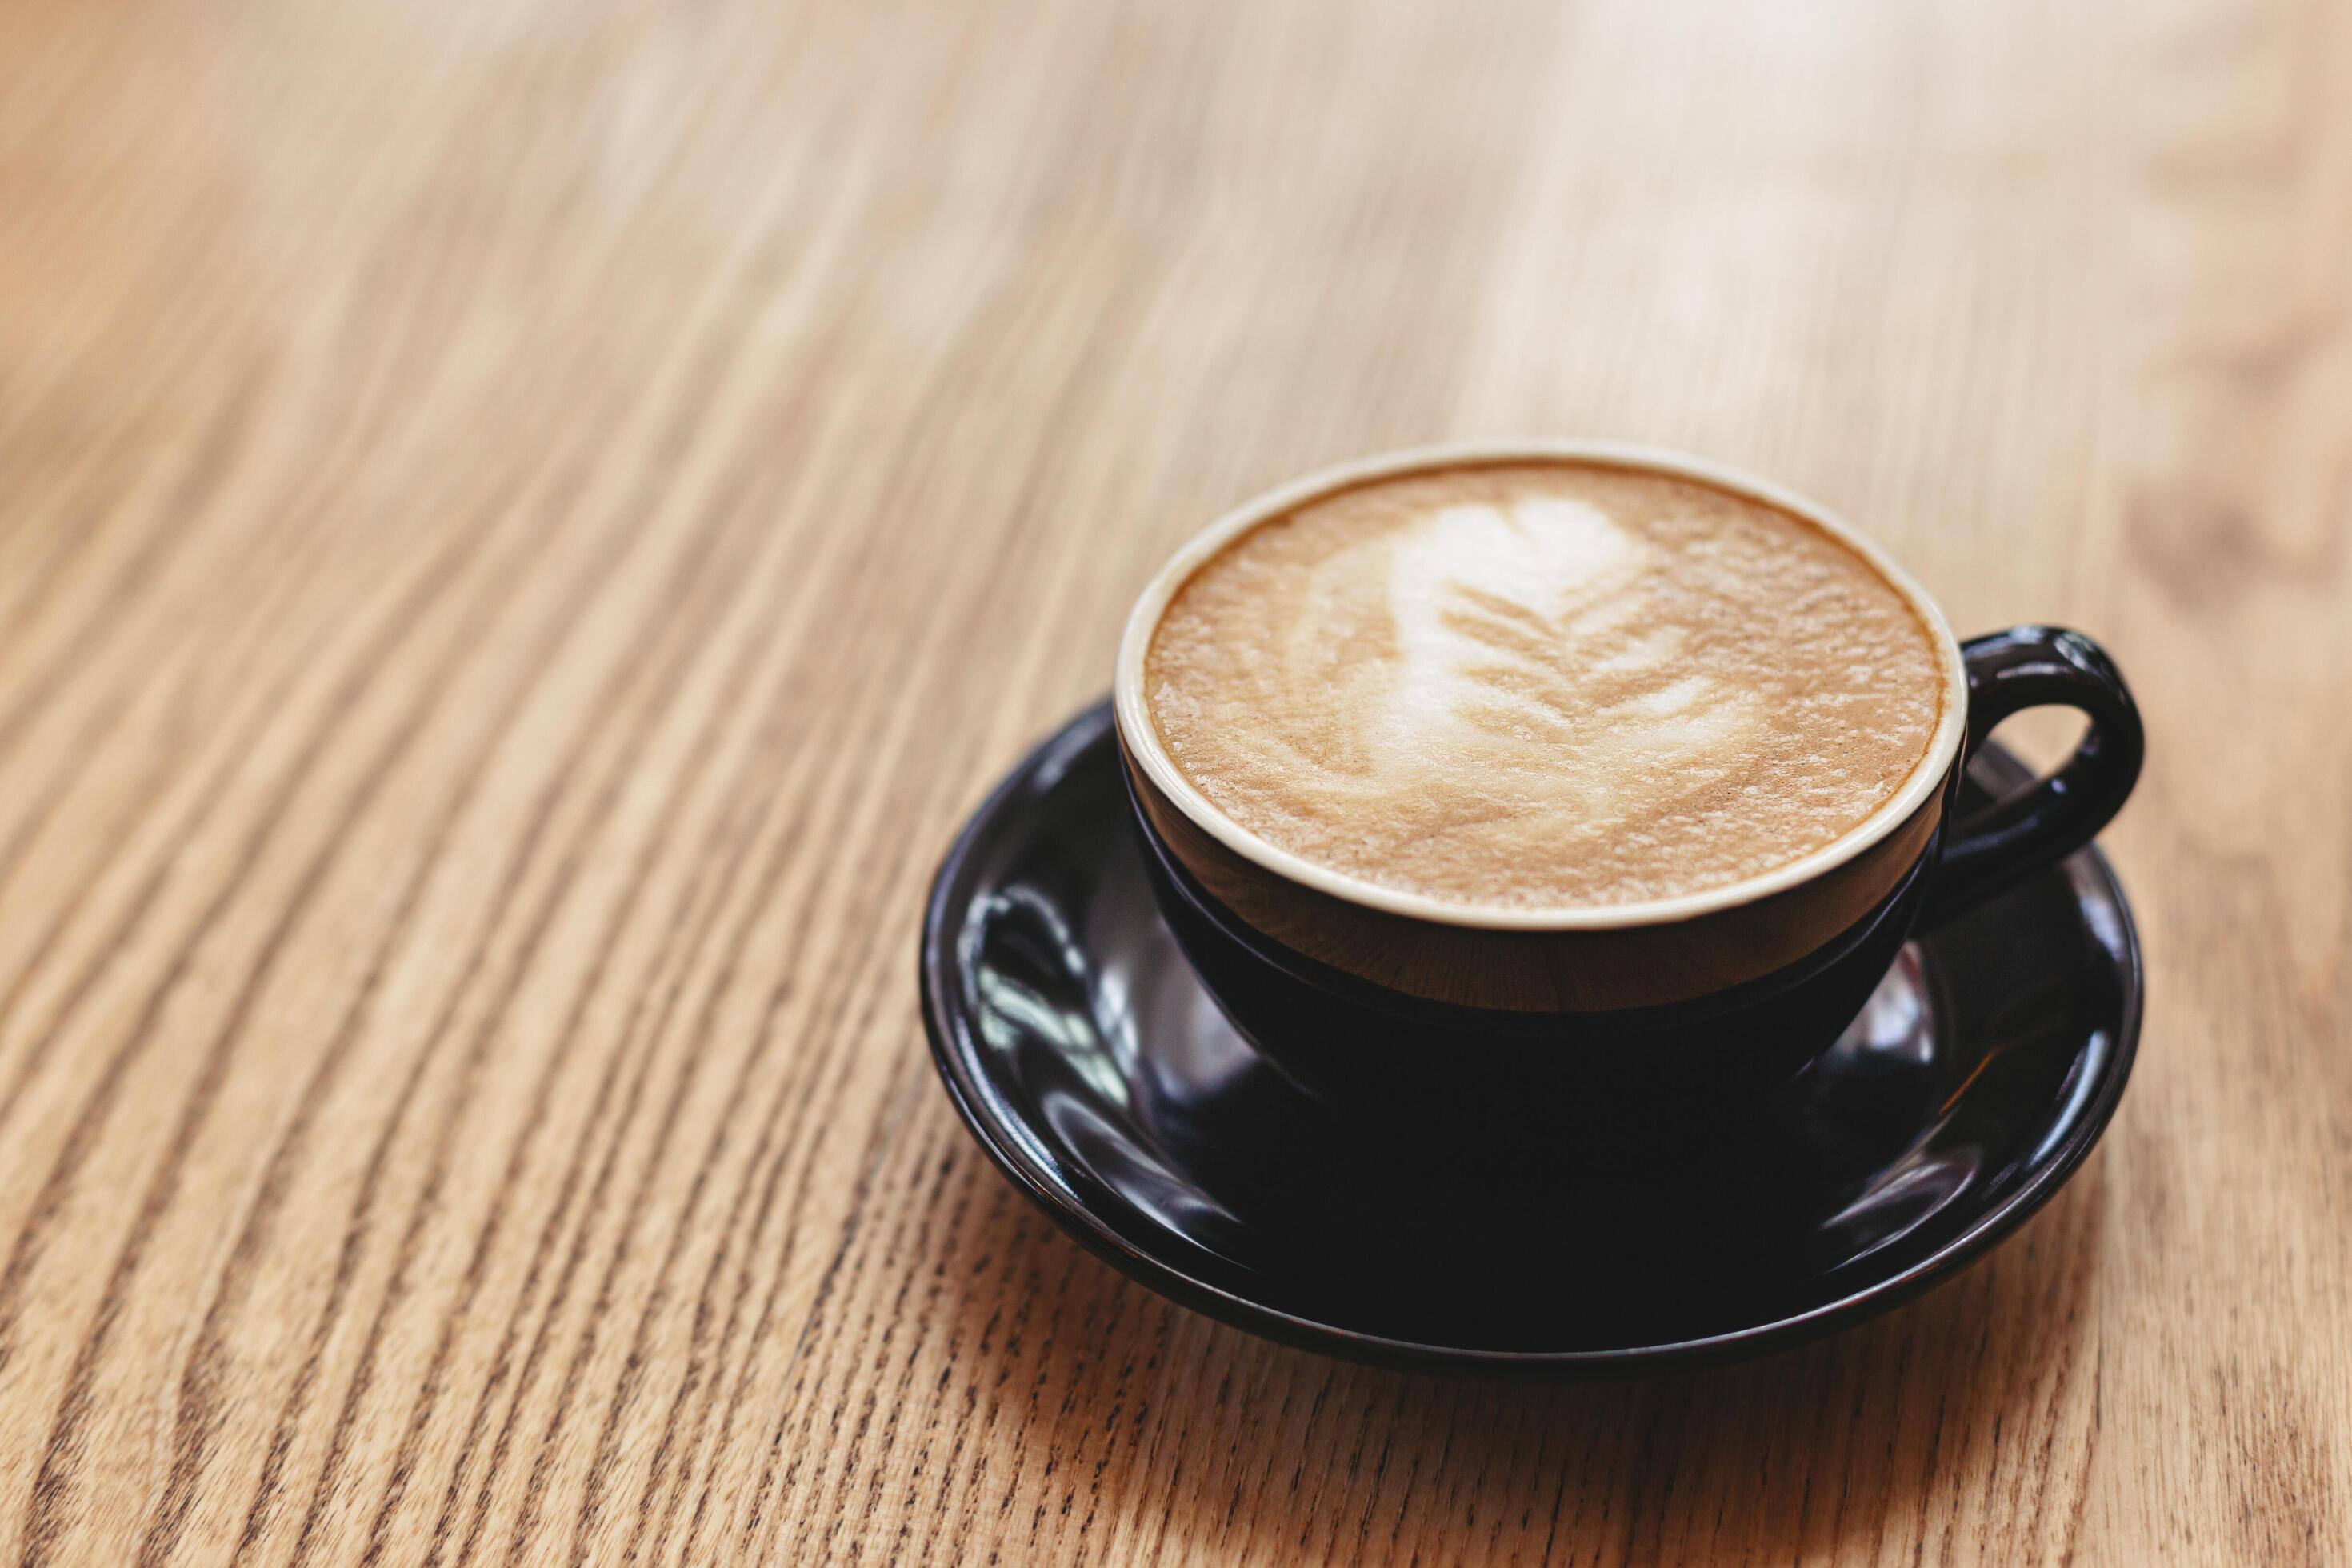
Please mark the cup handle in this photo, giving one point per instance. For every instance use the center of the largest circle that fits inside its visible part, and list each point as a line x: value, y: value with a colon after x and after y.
x: 2040, y: 824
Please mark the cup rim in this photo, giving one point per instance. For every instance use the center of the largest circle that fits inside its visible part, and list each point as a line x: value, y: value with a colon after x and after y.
x: 1141, y: 735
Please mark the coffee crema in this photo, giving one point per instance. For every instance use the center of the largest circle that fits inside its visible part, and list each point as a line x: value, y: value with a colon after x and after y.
x: 1538, y: 685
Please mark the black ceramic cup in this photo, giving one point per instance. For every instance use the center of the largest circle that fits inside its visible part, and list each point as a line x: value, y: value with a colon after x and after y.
x: 1617, y: 1027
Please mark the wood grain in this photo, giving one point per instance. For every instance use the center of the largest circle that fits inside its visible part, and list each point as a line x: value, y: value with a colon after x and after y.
x: 524, y: 527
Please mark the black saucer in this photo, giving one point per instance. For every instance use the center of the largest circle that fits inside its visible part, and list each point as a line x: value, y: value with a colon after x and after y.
x: 1096, y: 1072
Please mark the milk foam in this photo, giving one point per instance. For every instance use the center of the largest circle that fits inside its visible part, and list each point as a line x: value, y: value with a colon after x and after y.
x: 1542, y: 685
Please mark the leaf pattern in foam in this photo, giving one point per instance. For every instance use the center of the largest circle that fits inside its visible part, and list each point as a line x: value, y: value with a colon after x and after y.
x: 1531, y: 664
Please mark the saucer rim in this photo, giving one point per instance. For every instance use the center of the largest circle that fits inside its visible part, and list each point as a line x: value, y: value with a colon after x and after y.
x: 2088, y: 872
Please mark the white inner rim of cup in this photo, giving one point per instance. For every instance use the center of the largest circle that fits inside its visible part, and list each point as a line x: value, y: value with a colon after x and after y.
x: 1142, y: 732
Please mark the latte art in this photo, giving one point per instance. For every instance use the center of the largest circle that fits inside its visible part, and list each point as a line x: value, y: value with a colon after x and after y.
x: 1542, y: 684
x: 1528, y: 645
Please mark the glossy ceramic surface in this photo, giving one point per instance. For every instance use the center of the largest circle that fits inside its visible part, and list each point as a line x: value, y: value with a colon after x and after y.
x: 1087, y: 1059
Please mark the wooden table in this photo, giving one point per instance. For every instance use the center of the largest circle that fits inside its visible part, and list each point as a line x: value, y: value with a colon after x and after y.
x: 524, y: 527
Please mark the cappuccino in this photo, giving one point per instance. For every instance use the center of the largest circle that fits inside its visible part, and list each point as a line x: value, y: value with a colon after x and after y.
x: 1543, y: 684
